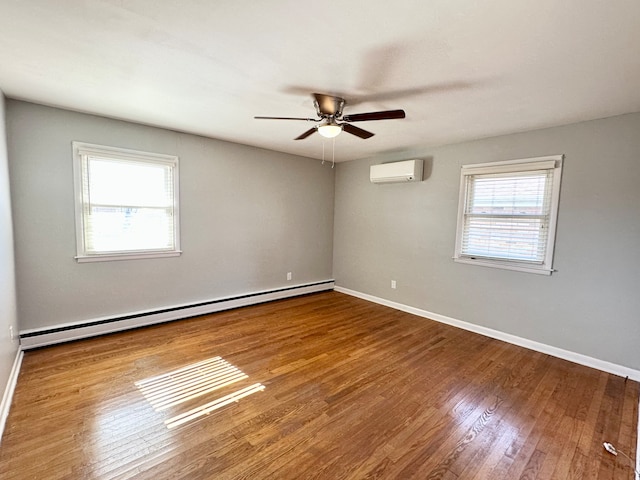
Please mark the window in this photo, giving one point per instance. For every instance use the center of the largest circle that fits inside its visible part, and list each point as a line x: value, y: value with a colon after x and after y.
x: 126, y: 203
x: 507, y: 214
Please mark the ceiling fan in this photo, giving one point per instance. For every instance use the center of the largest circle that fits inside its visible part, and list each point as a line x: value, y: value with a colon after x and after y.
x: 332, y: 121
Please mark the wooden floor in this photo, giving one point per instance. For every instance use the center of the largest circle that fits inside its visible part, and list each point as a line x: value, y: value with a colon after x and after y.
x: 352, y: 390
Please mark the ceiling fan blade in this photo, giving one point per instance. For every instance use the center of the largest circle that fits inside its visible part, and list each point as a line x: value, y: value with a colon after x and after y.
x: 328, y: 104
x: 357, y: 131
x: 306, y: 134
x: 288, y: 118
x: 385, y: 115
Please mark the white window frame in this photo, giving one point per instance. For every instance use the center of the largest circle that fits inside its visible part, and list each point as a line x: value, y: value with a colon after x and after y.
x: 81, y: 152
x: 554, y: 163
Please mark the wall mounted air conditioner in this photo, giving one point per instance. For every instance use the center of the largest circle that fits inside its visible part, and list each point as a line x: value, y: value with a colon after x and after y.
x: 406, y: 171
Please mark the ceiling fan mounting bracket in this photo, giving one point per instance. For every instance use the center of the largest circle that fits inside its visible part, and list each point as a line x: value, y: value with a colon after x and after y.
x: 328, y: 106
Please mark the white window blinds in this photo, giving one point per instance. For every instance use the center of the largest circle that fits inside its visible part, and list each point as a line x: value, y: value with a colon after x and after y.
x: 128, y: 203
x: 507, y: 216
x: 508, y: 213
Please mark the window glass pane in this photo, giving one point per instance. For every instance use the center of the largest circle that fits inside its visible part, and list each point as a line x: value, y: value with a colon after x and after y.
x: 508, y: 194
x: 520, y: 239
x: 113, y: 229
x: 113, y: 182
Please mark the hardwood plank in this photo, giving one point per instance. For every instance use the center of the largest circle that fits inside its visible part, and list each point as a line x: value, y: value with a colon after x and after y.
x: 353, y: 390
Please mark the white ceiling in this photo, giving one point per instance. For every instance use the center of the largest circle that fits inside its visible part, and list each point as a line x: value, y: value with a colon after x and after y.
x: 461, y: 69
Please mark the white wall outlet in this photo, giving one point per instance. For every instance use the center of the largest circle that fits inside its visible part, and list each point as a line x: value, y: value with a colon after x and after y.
x: 288, y: 275
x: 11, y: 332
x: 393, y: 284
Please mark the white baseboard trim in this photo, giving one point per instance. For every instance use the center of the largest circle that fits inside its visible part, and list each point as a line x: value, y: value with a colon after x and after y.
x: 7, y: 397
x: 99, y: 326
x: 506, y: 337
x: 638, y: 445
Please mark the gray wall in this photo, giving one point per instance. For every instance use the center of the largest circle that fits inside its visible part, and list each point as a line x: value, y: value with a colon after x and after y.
x: 248, y: 216
x: 8, y: 347
x: 406, y: 232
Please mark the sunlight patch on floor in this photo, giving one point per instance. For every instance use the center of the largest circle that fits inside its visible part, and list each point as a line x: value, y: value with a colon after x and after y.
x: 189, y: 382
x: 211, y: 406
x: 192, y: 381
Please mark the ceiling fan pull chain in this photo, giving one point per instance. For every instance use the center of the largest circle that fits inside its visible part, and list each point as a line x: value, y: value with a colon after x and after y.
x: 322, y: 153
x: 333, y: 152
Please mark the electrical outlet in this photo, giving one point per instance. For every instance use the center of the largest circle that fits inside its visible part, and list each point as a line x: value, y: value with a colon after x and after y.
x: 393, y: 284
x: 288, y: 275
x: 11, y: 332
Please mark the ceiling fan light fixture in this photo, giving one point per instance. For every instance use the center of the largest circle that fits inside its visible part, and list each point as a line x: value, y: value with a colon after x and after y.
x: 330, y: 130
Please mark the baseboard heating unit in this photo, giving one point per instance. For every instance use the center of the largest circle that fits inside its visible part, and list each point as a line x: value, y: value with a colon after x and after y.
x: 41, y: 337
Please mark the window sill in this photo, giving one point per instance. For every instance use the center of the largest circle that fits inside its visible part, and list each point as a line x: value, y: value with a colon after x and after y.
x: 541, y: 270
x: 125, y: 256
